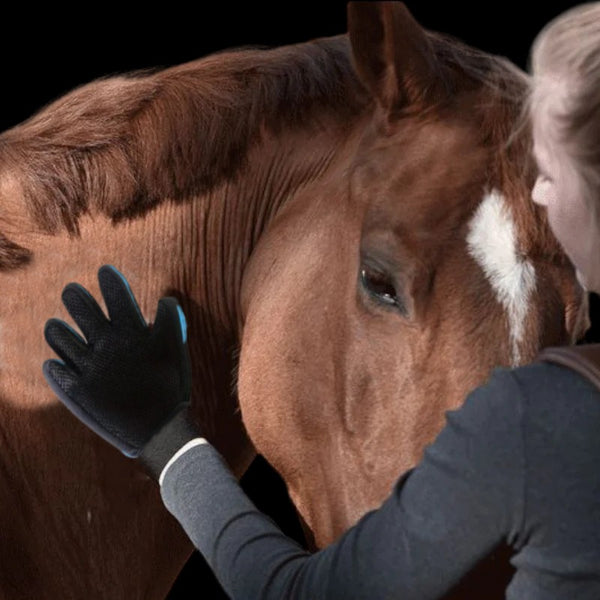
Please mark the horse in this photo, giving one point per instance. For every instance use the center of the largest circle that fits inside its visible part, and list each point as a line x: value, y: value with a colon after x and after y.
x: 350, y: 234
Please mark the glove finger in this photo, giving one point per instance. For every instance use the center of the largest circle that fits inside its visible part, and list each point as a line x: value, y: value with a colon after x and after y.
x: 60, y: 378
x: 67, y: 343
x: 170, y: 320
x: 120, y: 302
x: 85, y: 311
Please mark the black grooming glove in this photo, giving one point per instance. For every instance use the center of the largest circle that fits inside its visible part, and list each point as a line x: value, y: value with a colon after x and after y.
x: 129, y: 382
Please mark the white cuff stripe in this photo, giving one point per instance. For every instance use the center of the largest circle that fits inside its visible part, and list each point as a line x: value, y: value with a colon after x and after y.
x: 182, y: 450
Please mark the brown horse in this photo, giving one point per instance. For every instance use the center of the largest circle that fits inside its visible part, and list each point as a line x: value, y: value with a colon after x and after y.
x: 347, y: 210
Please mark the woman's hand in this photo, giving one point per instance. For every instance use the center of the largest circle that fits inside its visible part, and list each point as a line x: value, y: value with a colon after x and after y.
x: 129, y: 382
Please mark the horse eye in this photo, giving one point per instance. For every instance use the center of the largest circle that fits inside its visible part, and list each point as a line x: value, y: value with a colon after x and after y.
x: 379, y: 286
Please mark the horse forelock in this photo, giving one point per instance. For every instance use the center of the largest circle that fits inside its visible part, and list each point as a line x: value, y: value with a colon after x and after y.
x: 507, y: 232
x: 121, y: 145
x: 502, y: 108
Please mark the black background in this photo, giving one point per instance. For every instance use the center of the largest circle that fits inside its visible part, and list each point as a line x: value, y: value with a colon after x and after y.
x: 47, y: 53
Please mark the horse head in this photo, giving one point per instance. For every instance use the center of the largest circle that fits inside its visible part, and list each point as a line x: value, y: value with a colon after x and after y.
x: 377, y: 299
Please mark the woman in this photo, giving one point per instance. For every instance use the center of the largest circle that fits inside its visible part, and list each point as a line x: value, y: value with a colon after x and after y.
x: 518, y: 462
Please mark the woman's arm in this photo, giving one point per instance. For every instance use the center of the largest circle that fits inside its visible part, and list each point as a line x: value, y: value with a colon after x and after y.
x: 464, y: 498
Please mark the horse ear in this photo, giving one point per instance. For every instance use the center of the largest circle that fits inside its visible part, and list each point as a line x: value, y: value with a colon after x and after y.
x: 392, y: 56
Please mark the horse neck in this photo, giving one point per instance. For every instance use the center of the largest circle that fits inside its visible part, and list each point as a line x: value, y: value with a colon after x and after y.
x: 195, y: 250
x: 210, y: 177
x: 194, y: 247
x: 228, y: 223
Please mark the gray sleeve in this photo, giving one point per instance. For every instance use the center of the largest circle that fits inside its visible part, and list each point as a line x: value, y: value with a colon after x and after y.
x: 442, y: 517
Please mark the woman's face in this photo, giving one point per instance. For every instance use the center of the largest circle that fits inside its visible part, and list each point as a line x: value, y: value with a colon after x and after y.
x: 558, y: 188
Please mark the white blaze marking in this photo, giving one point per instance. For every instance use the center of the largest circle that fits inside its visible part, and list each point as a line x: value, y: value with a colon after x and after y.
x: 89, y: 516
x: 492, y: 243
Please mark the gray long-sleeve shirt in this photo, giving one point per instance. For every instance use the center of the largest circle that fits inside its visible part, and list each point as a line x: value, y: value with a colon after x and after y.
x: 519, y: 461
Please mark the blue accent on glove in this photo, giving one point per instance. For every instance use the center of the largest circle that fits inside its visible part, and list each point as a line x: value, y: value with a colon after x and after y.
x: 183, y: 324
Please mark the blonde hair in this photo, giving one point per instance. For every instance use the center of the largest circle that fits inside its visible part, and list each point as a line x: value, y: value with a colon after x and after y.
x: 567, y: 51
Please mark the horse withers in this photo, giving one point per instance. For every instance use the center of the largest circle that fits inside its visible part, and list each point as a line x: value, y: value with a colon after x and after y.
x: 344, y: 214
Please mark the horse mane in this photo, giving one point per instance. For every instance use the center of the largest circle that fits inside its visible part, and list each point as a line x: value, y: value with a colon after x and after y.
x: 123, y: 144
